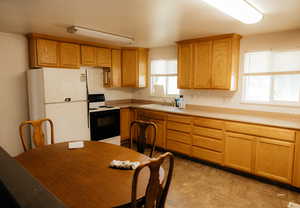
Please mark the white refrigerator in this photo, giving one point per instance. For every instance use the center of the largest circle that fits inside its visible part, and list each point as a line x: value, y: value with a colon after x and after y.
x: 61, y: 95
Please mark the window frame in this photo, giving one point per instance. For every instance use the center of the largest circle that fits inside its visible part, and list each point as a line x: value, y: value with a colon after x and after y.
x: 272, y: 102
x: 163, y: 75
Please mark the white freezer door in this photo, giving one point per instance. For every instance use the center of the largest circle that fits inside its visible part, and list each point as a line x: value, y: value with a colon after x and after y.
x: 70, y: 121
x: 64, y: 83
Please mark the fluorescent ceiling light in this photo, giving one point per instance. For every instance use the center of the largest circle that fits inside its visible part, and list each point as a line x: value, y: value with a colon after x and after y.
x: 238, y: 9
x: 101, y: 35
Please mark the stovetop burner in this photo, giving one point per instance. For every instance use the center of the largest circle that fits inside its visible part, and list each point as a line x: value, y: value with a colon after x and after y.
x: 106, y: 106
x: 93, y: 108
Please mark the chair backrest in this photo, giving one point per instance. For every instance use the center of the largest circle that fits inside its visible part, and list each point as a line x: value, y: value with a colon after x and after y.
x: 38, y: 136
x: 157, y: 191
x: 142, y: 135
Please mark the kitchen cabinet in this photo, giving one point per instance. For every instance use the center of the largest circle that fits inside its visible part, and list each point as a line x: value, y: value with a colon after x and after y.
x: 179, y: 133
x: 270, y: 152
x: 134, y: 67
x: 221, y: 64
x: 240, y: 152
x: 69, y: 55
x: 88, y: 55
x: 274, y: 159
x: 50, y: 53
x: 203, y: 60
x: 159, y: 120
x: 104, y: 57
x: 112, y: 76
x: 125, y: 121
x: 46, y: 52
x: 208, y: 140
x: 296, y: 169
x: 185, y: 66
x: 209, y: 62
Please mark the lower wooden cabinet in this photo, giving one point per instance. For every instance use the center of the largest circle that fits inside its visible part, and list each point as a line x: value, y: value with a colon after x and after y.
x: 274, y: 159
x: 179, y: 147
x: 205, y: 154
x: 125, y: 123
x: 239, y: 152
x: 208, y: 143
x: 160, y: 134
x: 179, y: 136
x: 274, y: 156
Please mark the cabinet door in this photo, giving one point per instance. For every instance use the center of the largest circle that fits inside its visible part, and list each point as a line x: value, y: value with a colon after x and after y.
x: 103, y: 57
x: 129, y: 67
x: 221, y: 64
x: 69, y: 55
x: 185, y: 65
x: 116, y: 68
x: 202, y: 69
x: 274, y: 159
x: 47, y: 53
x: 125, y: 123
x: 143, y: 67
x: 239, y: 152
x: 88, y: 55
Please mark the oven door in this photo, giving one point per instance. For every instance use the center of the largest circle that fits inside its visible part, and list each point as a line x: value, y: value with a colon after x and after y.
x: 104, y: 124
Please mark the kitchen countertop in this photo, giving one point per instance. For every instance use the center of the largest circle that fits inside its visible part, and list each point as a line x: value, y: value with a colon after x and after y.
x: 264, y: 118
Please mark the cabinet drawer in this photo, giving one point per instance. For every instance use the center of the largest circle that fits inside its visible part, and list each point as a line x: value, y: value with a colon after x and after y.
x: 180, y: 119
x: 207, y: 132
x: 179, y: 147
x: 210, y: 123
x: 179, y: 126
x: 179, y: 136
x: 151, y: 115
x: 265, y: 131
x: 208, y: 155
x: 208, y: 143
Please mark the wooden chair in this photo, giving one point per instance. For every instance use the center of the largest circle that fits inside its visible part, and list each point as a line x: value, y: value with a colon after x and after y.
x: 157, y: 191
x: 143, y: 127
x: 38, y: 135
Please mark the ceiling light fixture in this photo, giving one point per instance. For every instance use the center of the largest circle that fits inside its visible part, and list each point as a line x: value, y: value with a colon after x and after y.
x: 101, y: 35
x: 238, y: 9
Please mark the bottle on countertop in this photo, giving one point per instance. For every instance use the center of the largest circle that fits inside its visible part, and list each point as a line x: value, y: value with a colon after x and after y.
x: 181, y: 102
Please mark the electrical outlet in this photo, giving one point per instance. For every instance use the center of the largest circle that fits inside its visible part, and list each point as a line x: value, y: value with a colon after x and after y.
x: 293, y: 205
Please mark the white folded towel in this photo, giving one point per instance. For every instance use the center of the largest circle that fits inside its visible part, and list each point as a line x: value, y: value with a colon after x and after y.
x: 126, y: 165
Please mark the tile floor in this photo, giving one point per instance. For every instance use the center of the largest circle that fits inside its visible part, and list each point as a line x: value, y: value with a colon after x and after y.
x: 196, y: 185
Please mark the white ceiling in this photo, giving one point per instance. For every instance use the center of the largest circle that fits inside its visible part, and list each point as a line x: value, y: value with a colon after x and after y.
x: 151, y: 22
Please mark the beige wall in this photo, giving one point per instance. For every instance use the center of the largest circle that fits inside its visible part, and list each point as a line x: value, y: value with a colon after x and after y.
x: 13, y: 110
x: 280, y: 40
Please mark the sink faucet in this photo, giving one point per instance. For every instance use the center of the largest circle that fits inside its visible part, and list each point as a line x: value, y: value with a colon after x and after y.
x: 169, y: 101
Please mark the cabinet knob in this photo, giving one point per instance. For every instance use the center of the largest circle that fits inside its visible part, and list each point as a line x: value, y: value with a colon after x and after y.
x: 68, y: 99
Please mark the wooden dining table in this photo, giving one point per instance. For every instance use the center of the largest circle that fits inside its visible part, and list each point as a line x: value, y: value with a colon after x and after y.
x: 82, y: 178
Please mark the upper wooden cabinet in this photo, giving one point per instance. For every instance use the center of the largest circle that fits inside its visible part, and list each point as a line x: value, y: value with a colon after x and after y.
x: 69, y: 55
x: 88, y: 55
x: 103, y: 57
x: 134, y: 67
x: 185, y: 66
x: 50, y: 53
x: 112, y: 76
x: 209, y: 63
x: 44, y: 53
x: 202, y: 69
